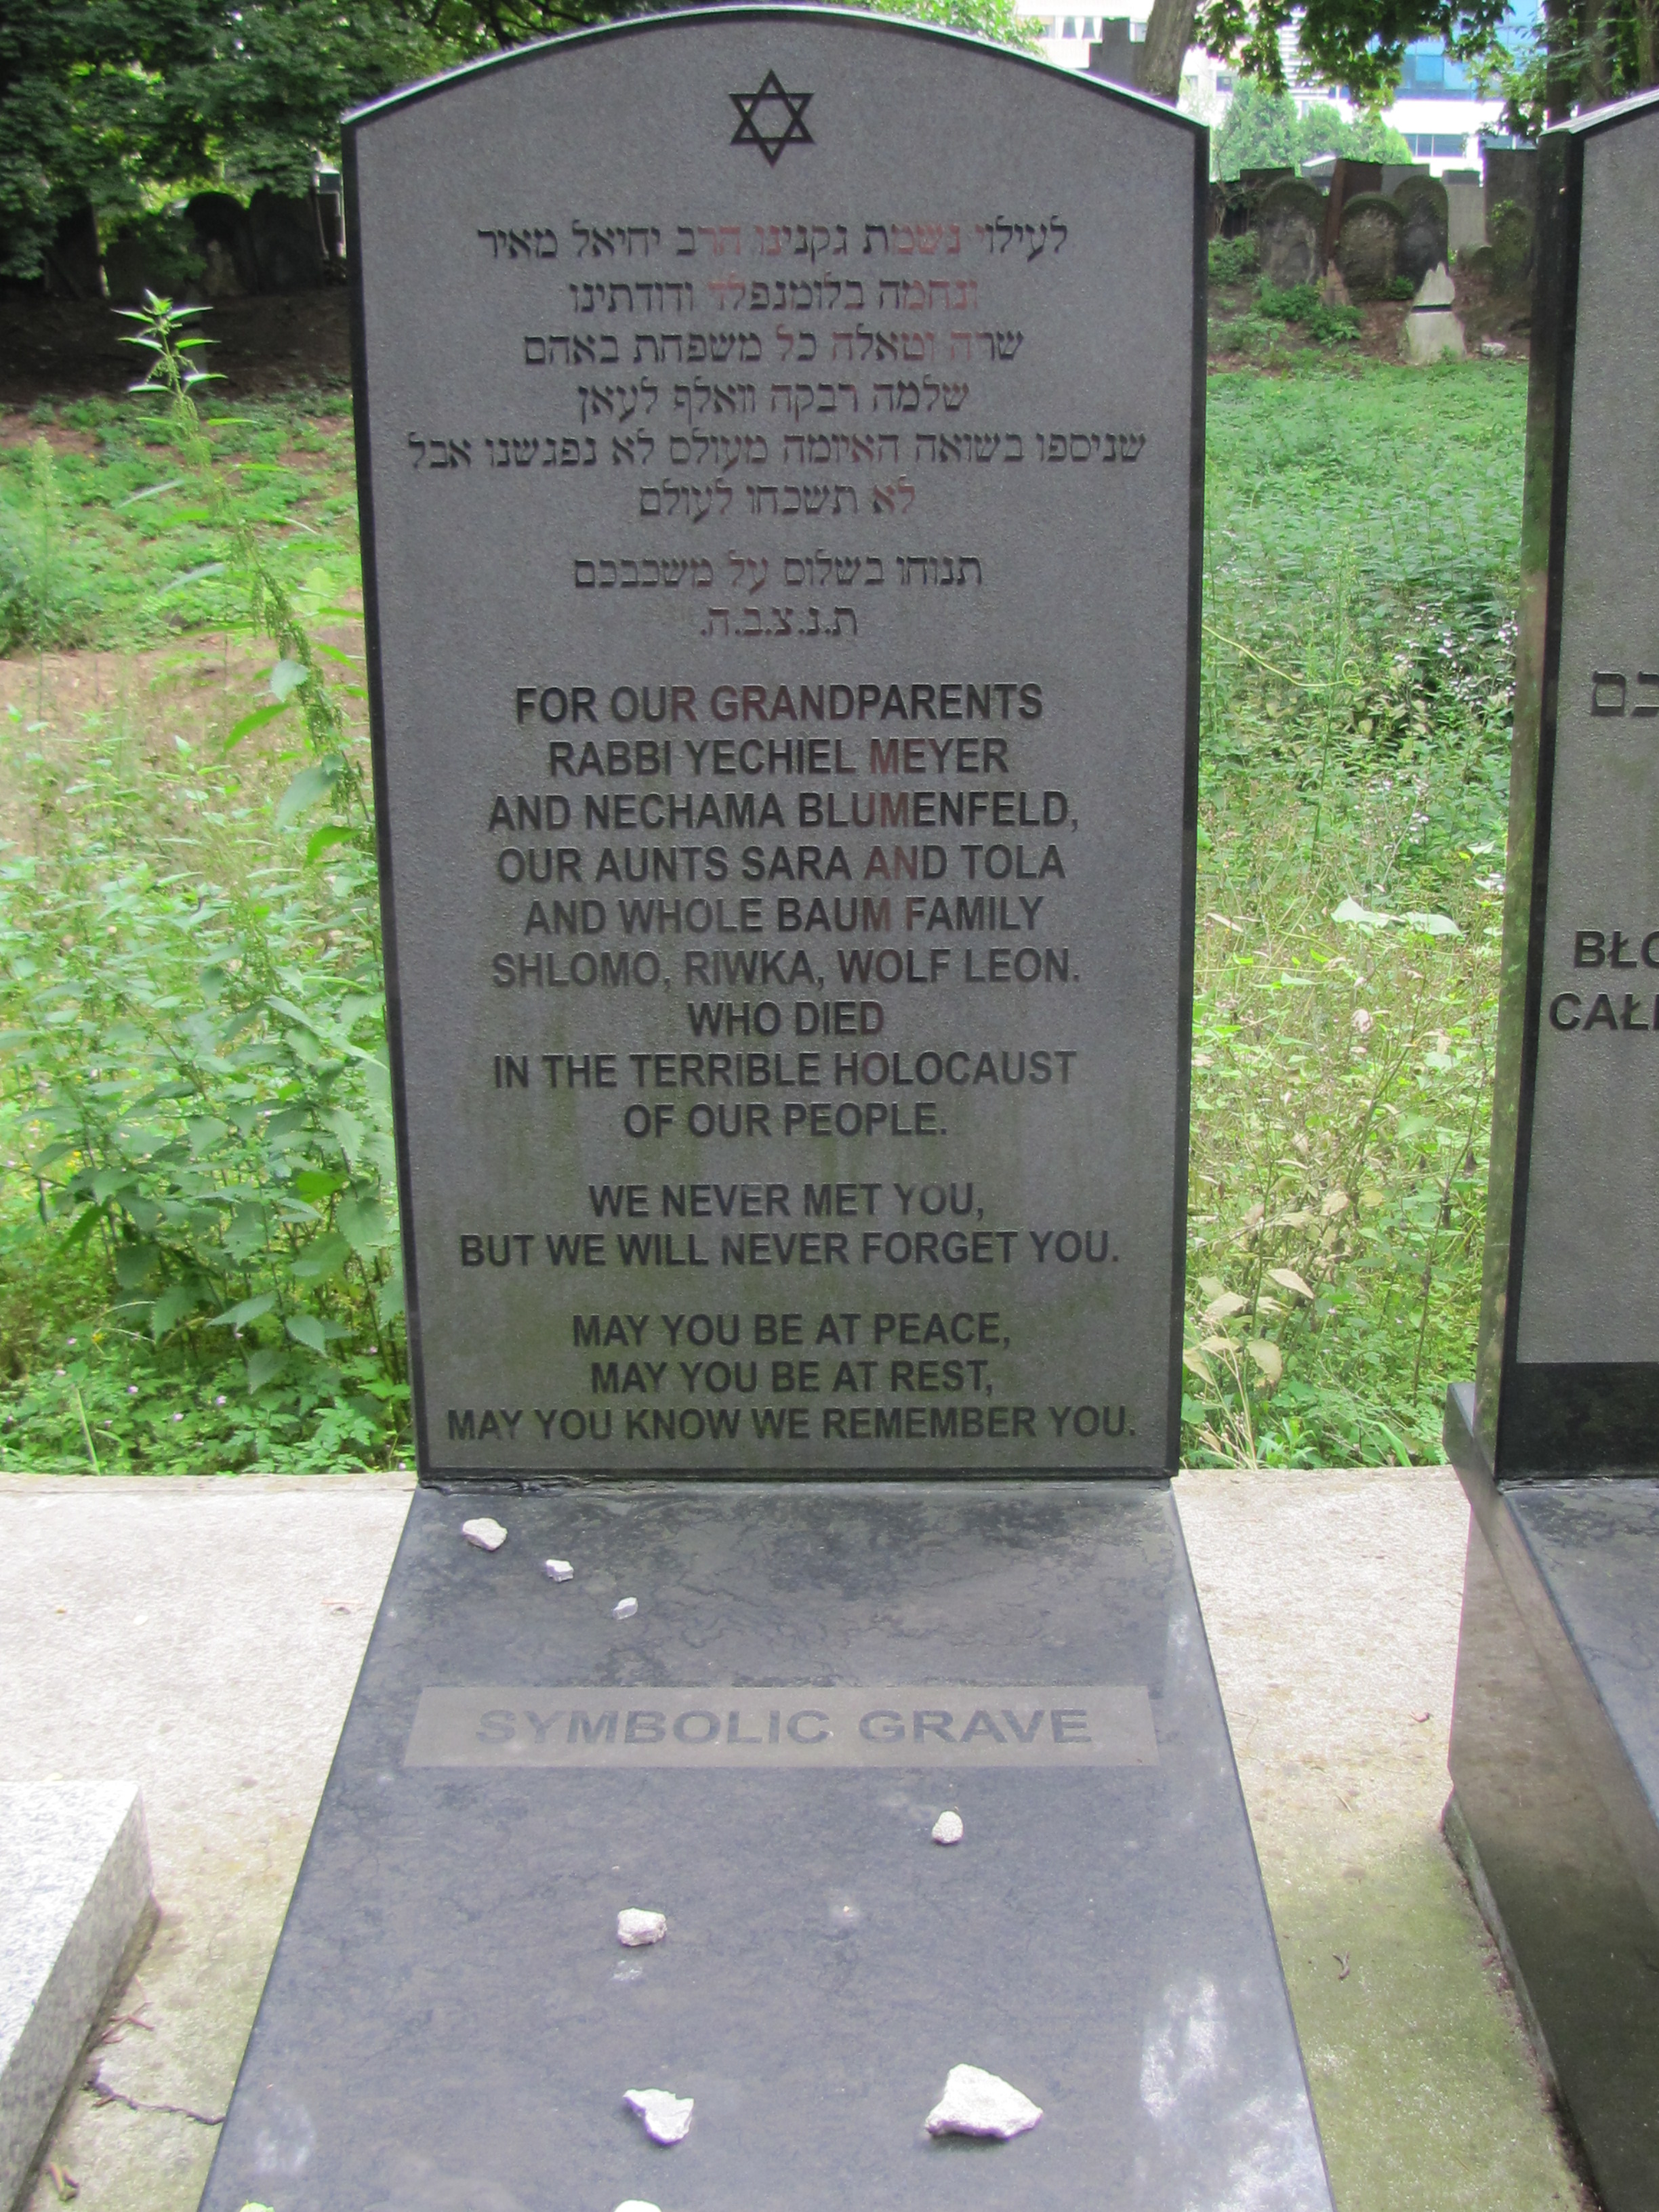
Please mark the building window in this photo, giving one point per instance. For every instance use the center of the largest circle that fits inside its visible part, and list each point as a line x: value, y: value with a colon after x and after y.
x: 1437, y: 145
x: 1070, y: 31
x: 1224, y: 84
x: 1088, y: 26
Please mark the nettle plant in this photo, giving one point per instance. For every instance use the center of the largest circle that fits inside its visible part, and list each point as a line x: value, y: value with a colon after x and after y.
x: 204, y: 1064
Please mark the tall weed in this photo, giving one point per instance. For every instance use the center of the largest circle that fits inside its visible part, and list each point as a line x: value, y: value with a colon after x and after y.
x: 1360, y: 558
x: 195, y: 1059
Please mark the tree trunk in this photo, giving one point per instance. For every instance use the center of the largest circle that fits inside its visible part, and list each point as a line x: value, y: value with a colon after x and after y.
x: 1595, y: 80
x: 1647, y: 47
x: 1169, y: 34
x: 1560, y: 38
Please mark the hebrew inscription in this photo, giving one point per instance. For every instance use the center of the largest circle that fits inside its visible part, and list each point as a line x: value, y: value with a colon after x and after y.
x: 781, y: 546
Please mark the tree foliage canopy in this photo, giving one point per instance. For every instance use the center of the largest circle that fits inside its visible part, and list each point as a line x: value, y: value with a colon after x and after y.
x: 1357, y: 46
x: 113, y: 105
x: 108, y: 104
x: 1263, y: 130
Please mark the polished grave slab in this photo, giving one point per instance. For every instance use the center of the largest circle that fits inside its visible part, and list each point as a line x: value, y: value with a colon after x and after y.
x: 450, y: 2021
x: 1555, y: 1769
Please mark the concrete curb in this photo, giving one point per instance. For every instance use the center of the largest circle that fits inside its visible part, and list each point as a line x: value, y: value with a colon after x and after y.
x: 75, y: 1903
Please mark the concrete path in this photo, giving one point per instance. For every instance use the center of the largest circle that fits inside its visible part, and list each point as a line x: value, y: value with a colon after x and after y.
x: 1332, y: 1603
x: 202, y: 1638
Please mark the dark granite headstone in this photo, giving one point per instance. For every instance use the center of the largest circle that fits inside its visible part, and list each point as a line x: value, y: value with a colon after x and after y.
x: 1553, y: 1745
x: 783, y: 603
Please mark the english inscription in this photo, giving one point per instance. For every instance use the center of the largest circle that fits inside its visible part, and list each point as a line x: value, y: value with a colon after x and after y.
x: 951, y: 1726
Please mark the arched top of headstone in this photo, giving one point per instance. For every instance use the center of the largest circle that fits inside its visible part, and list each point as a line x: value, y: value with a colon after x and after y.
x: 776, y: 126
x: 1291, y: 196
x: 1376, y: 206
x: 1410, y: 190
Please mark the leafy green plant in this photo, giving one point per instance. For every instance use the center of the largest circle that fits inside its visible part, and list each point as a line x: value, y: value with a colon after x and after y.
x: 1233, y: 259
x: 196, y: 1059
x: 127, y: 525
x: 333, y: 776
x: 40, y: 578
x: 196, y: 1006
x: 1355, y: 723
x: 1305, y: 305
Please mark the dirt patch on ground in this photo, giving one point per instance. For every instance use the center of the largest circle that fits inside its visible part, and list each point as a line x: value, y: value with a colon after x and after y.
x: 16, y: 429
x: 71, y: 349
x: 1380, y: 322
x: 1497, y: 318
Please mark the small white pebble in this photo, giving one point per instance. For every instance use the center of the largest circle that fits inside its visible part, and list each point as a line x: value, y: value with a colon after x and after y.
x: 635, y: 1927
x: 488, y: 1535
x: 668, y: 2118
x: 947, y: 1829
x: 624, y: 1608
x: 976, y: 2103
x: 635, y: 2204
x: 557, y: 1570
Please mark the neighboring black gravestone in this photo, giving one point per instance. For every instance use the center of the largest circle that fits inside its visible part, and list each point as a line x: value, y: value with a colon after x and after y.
x: 1555, y: 1736
x: 782, y: 550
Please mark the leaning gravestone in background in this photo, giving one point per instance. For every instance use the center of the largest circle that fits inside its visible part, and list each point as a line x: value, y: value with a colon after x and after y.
x: 1555, y: 1737
x: 782, y: 580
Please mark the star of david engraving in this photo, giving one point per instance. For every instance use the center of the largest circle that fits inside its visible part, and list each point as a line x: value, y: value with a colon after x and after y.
x: 771, y: 119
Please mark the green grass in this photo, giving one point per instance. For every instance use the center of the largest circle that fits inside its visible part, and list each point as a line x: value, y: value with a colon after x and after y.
x: 192, y: 1125
x: 93, y: 543
x: 1362, y: 531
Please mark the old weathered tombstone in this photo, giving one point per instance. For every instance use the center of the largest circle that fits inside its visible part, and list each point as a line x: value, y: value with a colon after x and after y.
x: 782, y: 582
x: 1347, y: 179
x: 220, y: 223
x: 1509, y: 172
x: 1425, y: 229
x: 1466, y: 213
x: 1555, y: 1735
x: 1368, y: 249
x: 1289, y: 229
x: 1115, y: 54
x: 1511, y: 228
x: 286, y: 242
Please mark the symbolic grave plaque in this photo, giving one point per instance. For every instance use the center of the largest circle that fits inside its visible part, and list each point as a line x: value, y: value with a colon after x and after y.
x: 779, y: 436
x: 1555, y: 1741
